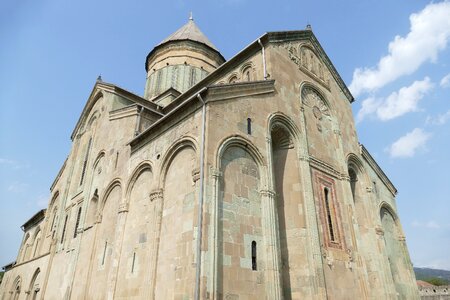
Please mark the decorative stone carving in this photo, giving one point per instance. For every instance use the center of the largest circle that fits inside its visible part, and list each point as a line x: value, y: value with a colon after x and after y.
x: 307, y: 61
x: 123, y: 208
x: 156, y: 194
x: 195, y: 175
x: 379, y: 231
x: 267, y: 193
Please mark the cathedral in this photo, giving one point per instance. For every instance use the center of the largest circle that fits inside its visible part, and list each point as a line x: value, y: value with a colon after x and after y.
x: 228, y: 179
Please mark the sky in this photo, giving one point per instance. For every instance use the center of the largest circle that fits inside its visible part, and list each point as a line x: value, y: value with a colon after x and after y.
x: 393, y: 55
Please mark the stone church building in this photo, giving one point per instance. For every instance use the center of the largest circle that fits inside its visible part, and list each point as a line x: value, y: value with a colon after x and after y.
x: 238, y: 179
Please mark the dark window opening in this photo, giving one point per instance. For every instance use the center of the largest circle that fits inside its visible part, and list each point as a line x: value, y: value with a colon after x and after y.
x: 353, y: 180
x: 77, y: 223
x: 254, y: 256
x: 134, y: 260
x: 329, y: 219
x: 104, y: 253
x: 83, y: 172
x: 249, y: 126
x: 64, y: 230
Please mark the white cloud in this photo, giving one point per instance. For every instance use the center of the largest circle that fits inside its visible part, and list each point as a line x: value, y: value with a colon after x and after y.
x: 396, y: 104
x: 445, y: 81
x: 440, y: 119
x: 407, y: 145
x: 429, y: 34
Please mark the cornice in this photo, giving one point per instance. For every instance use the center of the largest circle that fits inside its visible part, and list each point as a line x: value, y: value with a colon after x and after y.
x: 376, y: 168
x: 238, y: 90
x: 326, y: 168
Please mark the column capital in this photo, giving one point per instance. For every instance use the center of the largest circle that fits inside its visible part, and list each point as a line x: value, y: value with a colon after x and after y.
x: 123, y: 207
x: 267, y: 193
x: 216, y: 173
x: 156, y: 194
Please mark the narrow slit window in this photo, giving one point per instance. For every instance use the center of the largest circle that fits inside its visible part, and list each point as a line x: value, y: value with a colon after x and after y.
x: 77, y: 223
x: 249, y: 126
x: 104, y: 253
x: 254, y: 266
x: 83, y: 172
x: 134, y: 260
x: 64, y: 230
x: 329, y: 218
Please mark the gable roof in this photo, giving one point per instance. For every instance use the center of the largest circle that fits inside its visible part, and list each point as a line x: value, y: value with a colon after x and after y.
x: 96, y: 93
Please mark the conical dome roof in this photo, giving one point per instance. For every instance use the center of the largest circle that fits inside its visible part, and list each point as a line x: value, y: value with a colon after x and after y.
x: 190, y: 31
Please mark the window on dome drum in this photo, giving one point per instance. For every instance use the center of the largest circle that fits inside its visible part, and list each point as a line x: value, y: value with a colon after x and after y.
x: 64, y: 229
x: 249, y: 126
x: 77, y: 223
x: 254, y: 266
x: 328, y: 212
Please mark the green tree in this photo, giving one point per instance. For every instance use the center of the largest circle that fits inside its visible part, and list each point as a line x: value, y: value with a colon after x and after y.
x: 436, y: 281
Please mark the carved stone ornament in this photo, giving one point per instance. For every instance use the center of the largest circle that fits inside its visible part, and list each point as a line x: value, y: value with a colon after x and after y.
x: 156, y: 194
x: 312, y: 99
x: 307, y: 61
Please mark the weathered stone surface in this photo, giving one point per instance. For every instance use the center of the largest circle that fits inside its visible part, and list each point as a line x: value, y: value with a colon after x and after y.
x: 287, y: 203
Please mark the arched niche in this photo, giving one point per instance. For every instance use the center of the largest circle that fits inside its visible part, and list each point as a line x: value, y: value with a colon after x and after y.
x: 16, y: 288
x: 35, y: 287
x: 36, y: 243
x: 241, y: 247
x: 138, y: 235
x: 289, y: 204
x: 179, y: 210
x: 105, y: 241
x: 394, y: 248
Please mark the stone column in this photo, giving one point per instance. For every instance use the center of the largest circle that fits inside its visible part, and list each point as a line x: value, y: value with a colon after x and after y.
x: 271, y: 241
x: 315, y: 256
x: 156, y: 196
x: 214, y: 235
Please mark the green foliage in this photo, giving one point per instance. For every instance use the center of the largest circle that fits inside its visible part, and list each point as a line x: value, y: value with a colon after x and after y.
x: 436, y: 281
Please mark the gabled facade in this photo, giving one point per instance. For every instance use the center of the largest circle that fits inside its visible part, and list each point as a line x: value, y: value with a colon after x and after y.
x: 238, y: 179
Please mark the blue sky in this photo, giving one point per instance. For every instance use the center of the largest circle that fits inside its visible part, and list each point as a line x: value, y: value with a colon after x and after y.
x: 394, y: 55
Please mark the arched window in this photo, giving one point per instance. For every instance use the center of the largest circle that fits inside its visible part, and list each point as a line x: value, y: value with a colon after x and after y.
x: 233, y: 79
x: 77, y: 223
x: 353, y: 180
x: 254, y: 266
x: 92, y: 210
x: 25, y: 247
x: 249, y: 126
x: 64, y: 229
x: 37, y: 240
x: 247, y: 73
